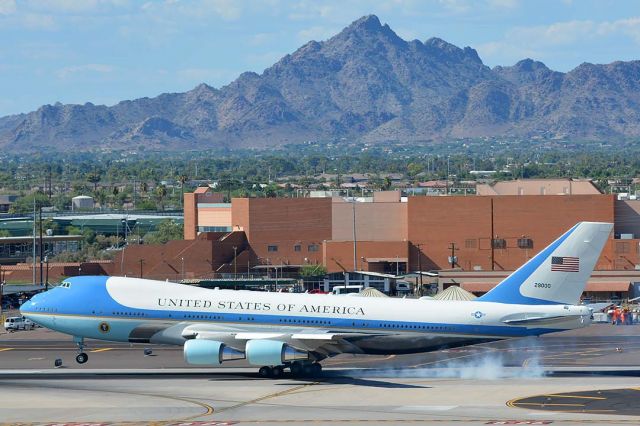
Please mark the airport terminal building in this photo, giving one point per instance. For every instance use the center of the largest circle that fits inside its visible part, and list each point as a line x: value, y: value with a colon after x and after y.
x: 386, y: 233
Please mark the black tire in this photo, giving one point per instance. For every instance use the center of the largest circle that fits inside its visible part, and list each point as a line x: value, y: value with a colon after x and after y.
x: 307, y: 370
x: 82, y: 358
x: 265, y: 372
x: 296, y: 369
x: 277, y: 372
x: 316, y: 369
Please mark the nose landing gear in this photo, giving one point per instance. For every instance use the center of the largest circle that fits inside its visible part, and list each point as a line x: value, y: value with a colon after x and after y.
x: 82, y: 357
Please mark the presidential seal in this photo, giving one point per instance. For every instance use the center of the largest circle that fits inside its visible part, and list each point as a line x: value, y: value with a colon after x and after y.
x: 104, y: 327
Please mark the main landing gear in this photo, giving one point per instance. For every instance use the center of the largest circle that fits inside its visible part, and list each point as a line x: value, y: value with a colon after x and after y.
x: 297, y: 368
x: 82, y: 357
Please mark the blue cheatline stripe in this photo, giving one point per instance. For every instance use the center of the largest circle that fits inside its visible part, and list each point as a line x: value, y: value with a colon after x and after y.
x: 508, y: 291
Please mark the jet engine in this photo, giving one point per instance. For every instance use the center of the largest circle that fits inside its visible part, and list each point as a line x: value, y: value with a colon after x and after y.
x: 272, y: 352
x: 209, y: 352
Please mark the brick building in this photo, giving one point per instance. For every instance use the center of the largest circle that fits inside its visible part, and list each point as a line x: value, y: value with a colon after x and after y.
x: 392, y: 234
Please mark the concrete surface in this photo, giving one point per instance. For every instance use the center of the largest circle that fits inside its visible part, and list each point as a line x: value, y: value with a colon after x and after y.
x: 524, y: 380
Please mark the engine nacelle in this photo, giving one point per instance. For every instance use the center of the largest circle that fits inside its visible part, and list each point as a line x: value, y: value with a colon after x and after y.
x: 209, y: 352
x: 272, y: 352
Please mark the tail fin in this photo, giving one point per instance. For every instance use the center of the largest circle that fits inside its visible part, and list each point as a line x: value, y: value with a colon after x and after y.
x: 559, y: 273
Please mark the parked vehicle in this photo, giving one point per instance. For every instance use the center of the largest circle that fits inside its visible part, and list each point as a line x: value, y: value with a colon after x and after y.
x: 346, y: 289
x: 18, y: 323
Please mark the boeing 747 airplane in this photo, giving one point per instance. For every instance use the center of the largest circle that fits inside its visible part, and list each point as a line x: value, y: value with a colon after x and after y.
x: 279, y: 331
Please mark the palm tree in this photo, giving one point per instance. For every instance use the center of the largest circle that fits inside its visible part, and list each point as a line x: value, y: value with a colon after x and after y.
x: 161, y: 193
x: 182, y: 179
x: 94, y: 178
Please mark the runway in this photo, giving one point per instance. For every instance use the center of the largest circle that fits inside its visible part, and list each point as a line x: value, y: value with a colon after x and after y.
x: 570, y: 378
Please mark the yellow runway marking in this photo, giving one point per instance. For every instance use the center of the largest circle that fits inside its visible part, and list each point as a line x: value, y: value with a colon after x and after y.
x: 101, y: 350
x: 6, y: 349
x: 574, y: 396
x: 543, y: 404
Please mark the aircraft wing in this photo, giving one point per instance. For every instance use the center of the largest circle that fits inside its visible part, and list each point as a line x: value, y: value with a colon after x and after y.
x: 321, y: 341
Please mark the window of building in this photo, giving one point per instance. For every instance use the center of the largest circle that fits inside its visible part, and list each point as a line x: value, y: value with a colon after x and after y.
x: 525, y: 243
x: 313, y: 247
x: 470, y: 243
x: 622, y: 247
x: 297, y: 247
x: 272, y: 248
x: 499, y: 243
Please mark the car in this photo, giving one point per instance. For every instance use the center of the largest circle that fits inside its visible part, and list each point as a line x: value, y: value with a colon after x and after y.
x: 403, y: 287
x: 18, y: 323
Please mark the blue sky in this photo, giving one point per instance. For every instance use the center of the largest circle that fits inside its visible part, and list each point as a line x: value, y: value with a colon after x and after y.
x: 104, y: 51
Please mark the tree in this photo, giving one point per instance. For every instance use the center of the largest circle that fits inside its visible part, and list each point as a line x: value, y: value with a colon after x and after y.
x: 182, y: 179
x: 313, y: 271
x: 94, y: 178
x: 167, y: 230
x: 25, y: 204
x: 161, y: 193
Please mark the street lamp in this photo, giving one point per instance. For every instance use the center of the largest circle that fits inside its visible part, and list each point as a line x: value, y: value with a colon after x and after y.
x: 46, y: 282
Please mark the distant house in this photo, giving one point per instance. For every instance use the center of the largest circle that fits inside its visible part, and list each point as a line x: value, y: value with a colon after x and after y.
x: 539, y: 187
x: 6, y: 201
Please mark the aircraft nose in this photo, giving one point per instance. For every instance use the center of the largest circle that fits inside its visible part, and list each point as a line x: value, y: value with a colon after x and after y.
x: 29, y: 306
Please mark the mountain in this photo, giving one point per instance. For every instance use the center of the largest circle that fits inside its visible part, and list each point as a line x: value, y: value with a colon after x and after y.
x: 365, y: 83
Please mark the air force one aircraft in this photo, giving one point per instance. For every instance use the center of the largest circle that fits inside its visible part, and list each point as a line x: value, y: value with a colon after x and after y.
x: 296, y: 331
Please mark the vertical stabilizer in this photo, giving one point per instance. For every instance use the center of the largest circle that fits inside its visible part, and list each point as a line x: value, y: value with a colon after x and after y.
x: 559, y: 273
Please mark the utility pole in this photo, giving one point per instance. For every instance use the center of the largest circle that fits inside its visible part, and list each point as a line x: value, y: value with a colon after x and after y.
x: 33, y: 266
x: 452, y: 259
x: 419, y: 246
x: 355, y: 253
x: 41, y: 247
x: 235, y: 262
x: 46, y: 282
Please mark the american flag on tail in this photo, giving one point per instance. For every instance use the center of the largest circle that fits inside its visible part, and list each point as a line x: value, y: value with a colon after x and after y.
x: 565, y: 264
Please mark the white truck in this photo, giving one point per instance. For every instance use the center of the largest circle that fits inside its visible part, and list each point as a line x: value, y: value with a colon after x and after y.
x: 18, y: 323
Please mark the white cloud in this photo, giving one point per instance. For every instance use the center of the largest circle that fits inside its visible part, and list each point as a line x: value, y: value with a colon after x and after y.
x: 503, y: 4
x: 229, y: 10
x: 199, y: 75
x: 35, y: 21
x: 87, y: 68
x: 548, y: 41
x: 317, y: 33
x: 629, y: 27
x: 261, y: 39
x: 74, y: 6
x: 7, y: 7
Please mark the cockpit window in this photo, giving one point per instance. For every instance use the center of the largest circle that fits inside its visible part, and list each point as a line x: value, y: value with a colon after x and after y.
x: 65, y: 285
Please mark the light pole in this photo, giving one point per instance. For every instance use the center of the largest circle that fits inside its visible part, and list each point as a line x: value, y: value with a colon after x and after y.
x: 141, y: 263
x: 397, y: 266
x: 46, y: 282
x: 235, y: 262
x: 355, y: 254
x: 182, y: 267
x: 419, y: 246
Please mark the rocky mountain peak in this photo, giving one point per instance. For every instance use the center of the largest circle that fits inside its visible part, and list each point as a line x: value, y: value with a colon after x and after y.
x: 366, y: 83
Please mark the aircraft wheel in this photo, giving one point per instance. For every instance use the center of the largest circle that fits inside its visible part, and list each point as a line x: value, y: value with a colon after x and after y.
x: 277, y: 372
x: 82, y: 358
x: 265, y: 372
x: 316, y: 369
x: 307, y: 370
x: 296, y: 369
